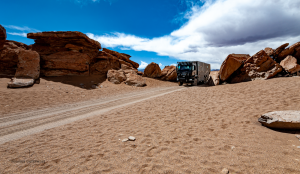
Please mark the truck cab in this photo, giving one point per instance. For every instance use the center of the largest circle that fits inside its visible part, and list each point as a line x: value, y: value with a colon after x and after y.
x: 193, y: 72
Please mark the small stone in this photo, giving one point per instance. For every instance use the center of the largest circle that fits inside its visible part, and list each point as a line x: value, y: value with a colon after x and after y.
x: 232, y: 147
x: 225, y: 171
x: 298, y: 136
x: 298, y: 147
x: 94, y: 87
x: 124, y: 140
x: 101, y: 86
x: 131, y: 138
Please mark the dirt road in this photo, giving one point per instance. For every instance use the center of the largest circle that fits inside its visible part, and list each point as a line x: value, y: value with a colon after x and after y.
x: 16, y: 125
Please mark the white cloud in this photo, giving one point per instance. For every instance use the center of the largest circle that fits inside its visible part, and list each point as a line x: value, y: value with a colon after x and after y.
x: 160, y: 65
x: 13, y: 27
x: 174, y: 64
x: 18, y: 34
x: 143, y: 65
x: 219, y: 28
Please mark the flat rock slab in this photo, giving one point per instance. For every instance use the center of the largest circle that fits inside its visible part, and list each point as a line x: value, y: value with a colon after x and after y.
x: 19, y: 83
x: 281, y: 119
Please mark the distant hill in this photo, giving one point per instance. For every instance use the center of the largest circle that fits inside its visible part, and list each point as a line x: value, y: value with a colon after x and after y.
x: 215, y: 70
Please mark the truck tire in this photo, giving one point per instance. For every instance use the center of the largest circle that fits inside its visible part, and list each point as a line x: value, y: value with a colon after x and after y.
x: 180, y: 83
x: 195, y: 82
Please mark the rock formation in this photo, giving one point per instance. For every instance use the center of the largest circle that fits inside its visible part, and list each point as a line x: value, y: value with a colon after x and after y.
x: 288, y: 51
x: 277, y: 51
x: 18, y: 83
x: 152, y: 70
x: 297, y: 54
x: 232, y: 63
x: 169, y: 73
x: 214, y: 78
x: 259, y: 66
x: 281, y: 119
x: 135, y: 80
x: 122, y: 56
x: 290, y: 64
x: 116, y: 76
x: 64, y: 53
x: 2, y: 36
x: 9, y: 57
x: 28, y: 64
x: 269, y: 51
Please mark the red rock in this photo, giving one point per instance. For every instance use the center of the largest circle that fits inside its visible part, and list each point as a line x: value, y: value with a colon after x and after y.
x: 290, y: 64
x: 2, y: 36
x: 297, y: 54
x: 122, y: 56
x: 140, y: 73
x: 9, y: 57
x: 152, y: 70
x: 269, y: 51
x: 232, y: 63
x: 278, y: 51
x: 28, y: 64
x: 288, y: 51
x: 169, y: 73
x: 214, y: 78
x: 135, y: 80
x: 116, y: 76
x: 104, y: 62
x: 65, y: 53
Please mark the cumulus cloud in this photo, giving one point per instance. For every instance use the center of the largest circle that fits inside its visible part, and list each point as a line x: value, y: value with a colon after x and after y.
x: 143, y: 65
x: 160, y: 65
x: 17, y: 34
x: 219, y: 28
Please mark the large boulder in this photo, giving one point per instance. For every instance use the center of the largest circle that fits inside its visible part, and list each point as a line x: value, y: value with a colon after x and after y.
x: 2, y: 36
x: 28, y: 64
x: 135, y: 80
x: 290, y: 64
x: 64, y: 53
x: 288, y: 51
x: 281, y: 119
x: 278, y: 51
x: 259, y: 66
x: 116, y: 76
x: 9, y: 57
x: 214, y: 78
x: 152, y: 70
x: 297, y: 54
x: 20, y: 82
x: 232, y: 63
x: 104, y: 62
x: 169, y: 73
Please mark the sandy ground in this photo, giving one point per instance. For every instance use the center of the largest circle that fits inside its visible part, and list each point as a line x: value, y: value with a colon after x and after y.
x: 56, y: 91
x: 197, y: 130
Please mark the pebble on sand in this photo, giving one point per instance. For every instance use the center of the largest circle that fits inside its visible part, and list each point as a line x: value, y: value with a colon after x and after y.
x: 225, y: 171
x: 131, y: 138
x: 124, y: 140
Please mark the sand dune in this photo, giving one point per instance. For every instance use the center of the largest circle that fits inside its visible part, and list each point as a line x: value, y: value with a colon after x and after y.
x: 198, y: 130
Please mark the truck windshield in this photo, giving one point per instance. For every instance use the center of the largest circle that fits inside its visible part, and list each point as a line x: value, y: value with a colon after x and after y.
x: 184, y: 67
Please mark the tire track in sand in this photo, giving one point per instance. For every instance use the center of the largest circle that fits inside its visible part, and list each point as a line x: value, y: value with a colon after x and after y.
x: 18, y: 125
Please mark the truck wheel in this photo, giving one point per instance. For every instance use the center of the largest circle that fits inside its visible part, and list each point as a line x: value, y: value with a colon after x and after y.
x: 195, y: 83
x: 180, y: 83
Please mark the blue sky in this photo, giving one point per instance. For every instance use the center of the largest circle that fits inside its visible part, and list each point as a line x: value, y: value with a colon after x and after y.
x: 162, y: 31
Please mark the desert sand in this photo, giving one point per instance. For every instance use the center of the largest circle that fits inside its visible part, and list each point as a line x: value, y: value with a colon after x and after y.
x: 196, y: 130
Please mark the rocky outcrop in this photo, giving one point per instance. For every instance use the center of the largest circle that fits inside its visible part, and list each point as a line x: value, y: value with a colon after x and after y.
x: 122, y: 56
x: 214, y: 78
x: 288, y: 51
x: 152, y: 70
x: 281, y: 119
x: 278, y: 51
x: 169, y: 73
x: 140, y: 73
x: 2, y: 36
x: 290, y: 64
x: 28, y: 64
x: 232, y: 63
x: 9, y: 57
x: 135, y: 80
x: 64, y: 53
x: 297, y: 54
x: 116, y: 76
x: 20, y: 82
x: 259, y: 66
